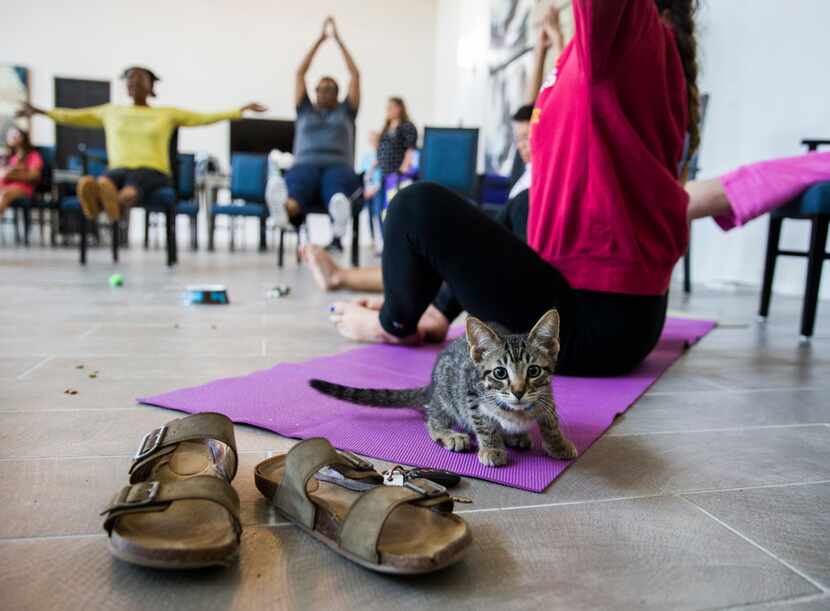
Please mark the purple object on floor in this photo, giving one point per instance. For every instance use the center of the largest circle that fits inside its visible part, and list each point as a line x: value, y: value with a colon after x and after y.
x: 280, y: 400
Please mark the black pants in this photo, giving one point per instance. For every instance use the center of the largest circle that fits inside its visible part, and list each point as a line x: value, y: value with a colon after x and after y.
x: 432, y: 236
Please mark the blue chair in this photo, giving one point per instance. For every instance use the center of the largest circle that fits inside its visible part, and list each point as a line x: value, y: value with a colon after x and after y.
x: 42, y: 199
x: 813, y: 205
x: 186, y: 202
x: 249, y: 174
x: 449, y: 157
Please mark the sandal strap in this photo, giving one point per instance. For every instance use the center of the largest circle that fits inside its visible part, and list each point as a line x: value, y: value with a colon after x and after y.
x: 163, y: 440
x: 155, y: 496
x: 301, y: 463
x: 363, y: 524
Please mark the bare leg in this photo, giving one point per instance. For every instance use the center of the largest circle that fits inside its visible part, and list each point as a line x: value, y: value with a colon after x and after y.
x: 293, y: 208
x: 108, y: 194
x: 331, y: 277
x: 89, y: 196
x: 8, y: 195
x: 433, y: 325
x: 706, y: 198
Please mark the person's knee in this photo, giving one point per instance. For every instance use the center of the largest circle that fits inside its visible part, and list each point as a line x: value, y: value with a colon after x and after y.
x: 419, y: 203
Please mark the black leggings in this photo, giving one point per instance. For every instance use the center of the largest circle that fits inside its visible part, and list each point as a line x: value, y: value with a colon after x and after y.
x: 432, y: 236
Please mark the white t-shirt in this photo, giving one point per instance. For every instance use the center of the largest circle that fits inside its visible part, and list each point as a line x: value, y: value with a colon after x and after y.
x: 522, y: 184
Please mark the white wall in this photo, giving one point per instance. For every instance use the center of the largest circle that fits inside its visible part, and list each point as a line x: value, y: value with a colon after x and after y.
x: 215, y: 54
x: 766, y: 65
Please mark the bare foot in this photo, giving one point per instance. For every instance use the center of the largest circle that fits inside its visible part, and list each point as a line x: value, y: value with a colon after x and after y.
x: 362, y: 324
x: 325, y: 271
x: 433, y: 325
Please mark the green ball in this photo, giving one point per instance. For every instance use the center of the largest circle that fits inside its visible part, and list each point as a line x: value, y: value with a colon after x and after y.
x: 116, y: 280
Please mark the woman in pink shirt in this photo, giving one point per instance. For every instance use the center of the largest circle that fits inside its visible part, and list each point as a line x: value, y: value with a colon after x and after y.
x: 20, y: 175
x: 607, y: 209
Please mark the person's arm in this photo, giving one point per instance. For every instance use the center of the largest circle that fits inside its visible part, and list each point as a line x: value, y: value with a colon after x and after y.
x: 300, y: 91
x: 29, y: 170
x: 92, y: 116
x: 409, y: 138
x: 354, y: 73
x: 604, y: 30
x: 550, y: 39
x: 188, y: 118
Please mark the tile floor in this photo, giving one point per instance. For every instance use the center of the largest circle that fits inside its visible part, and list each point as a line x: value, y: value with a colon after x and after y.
x: 712, y: 492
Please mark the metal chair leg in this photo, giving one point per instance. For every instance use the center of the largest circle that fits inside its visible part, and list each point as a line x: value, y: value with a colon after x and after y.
x: 773, y: 238
x: 815, y: 261
x: 116, y: 239
x: 211, y: 230
x: 281, y: 249
x: 172, y: 255
x: 146, y: 229
x: 82, y: 225
x: 263, y: 244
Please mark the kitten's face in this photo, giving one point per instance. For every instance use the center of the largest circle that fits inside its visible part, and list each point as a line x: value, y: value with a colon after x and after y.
x: 516, y: 370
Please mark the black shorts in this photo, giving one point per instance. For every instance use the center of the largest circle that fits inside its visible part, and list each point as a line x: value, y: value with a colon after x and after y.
x: 143, y: 180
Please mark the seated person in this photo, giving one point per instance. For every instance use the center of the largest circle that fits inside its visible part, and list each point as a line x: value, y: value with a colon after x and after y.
x: 323, y: 146
x: 138, y: 139
x: 21, y: 173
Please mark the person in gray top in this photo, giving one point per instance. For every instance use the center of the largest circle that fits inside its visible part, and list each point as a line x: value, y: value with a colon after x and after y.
x: 323, y: 170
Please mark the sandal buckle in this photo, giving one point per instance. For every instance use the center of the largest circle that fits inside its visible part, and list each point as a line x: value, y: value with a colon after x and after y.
x: 355, y: 461
x: 150, y: 443
x: 136, y: 495
x: 426, y: 488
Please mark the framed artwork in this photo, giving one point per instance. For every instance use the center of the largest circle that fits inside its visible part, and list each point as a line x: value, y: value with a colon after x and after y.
x: 14, y: 90
x: 514, y: 27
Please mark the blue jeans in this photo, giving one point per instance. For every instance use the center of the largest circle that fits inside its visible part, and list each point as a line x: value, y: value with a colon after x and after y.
x: 312, y: 186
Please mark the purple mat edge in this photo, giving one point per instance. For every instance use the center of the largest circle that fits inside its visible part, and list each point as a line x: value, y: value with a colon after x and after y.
x: 704, y: 328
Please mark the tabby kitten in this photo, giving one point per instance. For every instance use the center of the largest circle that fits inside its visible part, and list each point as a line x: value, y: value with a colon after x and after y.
x: 491, y: 383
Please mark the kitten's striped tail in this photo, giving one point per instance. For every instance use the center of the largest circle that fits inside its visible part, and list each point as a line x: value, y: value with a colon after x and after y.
x: 376, y: 397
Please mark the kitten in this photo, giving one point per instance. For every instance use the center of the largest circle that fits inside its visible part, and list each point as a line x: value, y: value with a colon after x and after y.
x: 491, y: 383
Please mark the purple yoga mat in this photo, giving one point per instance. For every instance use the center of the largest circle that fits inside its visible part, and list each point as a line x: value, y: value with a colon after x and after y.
x: 280, y: 400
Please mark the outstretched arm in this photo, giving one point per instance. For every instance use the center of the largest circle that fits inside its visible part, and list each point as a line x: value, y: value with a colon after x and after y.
x: 354, y: 73
x: 187, y: 118
x: 299, y: 83
x: 550, y: 39
x: 92, y: 116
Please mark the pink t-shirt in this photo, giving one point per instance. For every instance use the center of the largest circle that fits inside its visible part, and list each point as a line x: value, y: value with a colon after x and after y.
x: 606, y: 207
x: 32, y: 161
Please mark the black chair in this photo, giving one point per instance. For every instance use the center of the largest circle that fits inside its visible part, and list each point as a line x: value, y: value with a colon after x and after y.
x: 319, y: 207
x: 42, y: 200
x: 694, y: 168
x: 813, y: 205
x: 164, y: 201
x: 93, y: 163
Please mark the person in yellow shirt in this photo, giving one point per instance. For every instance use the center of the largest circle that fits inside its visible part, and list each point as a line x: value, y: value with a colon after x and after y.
x: 138, y: 139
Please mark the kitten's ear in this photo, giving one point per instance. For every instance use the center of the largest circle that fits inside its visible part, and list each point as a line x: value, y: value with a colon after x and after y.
x: 481, y: 338
x: 545, y: 334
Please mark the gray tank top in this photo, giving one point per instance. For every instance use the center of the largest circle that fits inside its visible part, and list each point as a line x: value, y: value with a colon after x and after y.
x: 324, y: 137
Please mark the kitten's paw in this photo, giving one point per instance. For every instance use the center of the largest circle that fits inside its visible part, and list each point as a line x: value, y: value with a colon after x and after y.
x: 492, y: 457
x: 454, y: 442
x: 564, y: 450
x: 521, y: 441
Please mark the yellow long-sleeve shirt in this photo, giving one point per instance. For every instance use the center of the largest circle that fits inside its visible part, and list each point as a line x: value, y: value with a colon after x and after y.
x: 138, y: 136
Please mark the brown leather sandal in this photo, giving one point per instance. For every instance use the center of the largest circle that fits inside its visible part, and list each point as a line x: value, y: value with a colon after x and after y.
x: 406, y: 529
x: 179, y: 511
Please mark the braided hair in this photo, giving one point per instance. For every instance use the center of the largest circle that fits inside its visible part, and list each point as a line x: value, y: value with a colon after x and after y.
x: 681, y: 14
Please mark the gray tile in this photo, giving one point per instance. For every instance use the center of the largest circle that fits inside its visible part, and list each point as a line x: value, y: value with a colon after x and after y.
x: 802, y: 603
x: 64, y: 497
x: 793, y: 522
x: 723, y: 409
x: 648, y: 554
x: 95, y: 433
